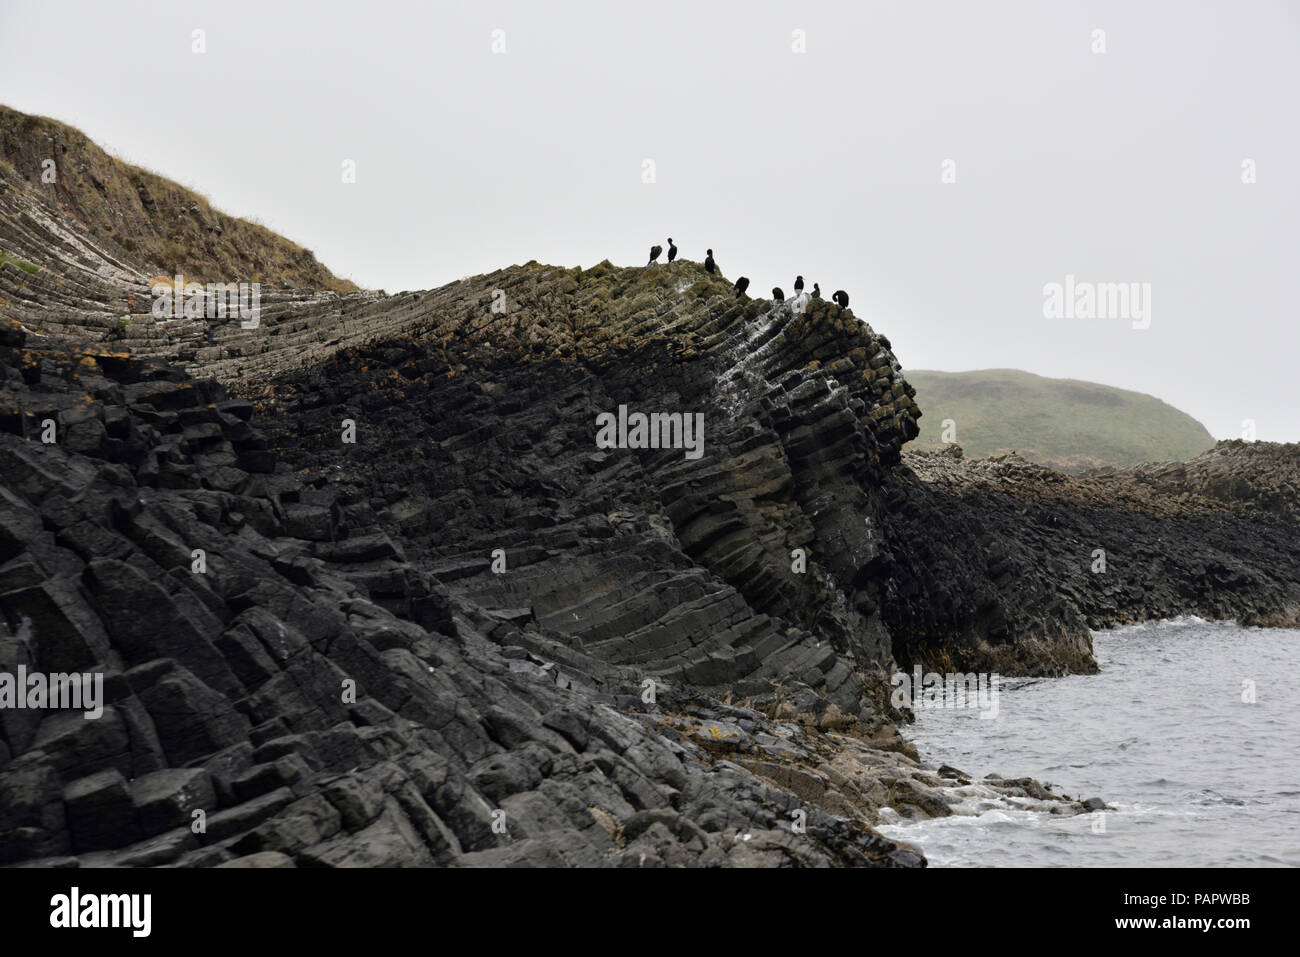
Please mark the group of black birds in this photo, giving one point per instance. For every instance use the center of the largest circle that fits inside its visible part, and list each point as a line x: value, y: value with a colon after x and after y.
x: 840, y: 297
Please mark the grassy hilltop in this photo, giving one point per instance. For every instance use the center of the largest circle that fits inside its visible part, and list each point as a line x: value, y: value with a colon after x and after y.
x: 1063, y: 423
x: 153, y: 219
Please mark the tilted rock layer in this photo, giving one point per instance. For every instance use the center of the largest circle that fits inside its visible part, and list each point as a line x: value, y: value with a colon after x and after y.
x: 434, y: 621
x: 318, y: 698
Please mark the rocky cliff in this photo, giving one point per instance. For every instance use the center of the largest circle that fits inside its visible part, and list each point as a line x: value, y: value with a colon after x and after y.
x: 366, y: 588
x: 1045, y: 551
x: 284, y: 685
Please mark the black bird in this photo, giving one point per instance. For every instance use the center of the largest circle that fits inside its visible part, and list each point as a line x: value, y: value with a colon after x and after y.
x: 778, y: 294
x: 654, y: 253
x: 672, y: 250
x: 741, y: 285
x: 709, y: 264
x: 817, y: 291
x: 798, y: 285
x: 842, y: 298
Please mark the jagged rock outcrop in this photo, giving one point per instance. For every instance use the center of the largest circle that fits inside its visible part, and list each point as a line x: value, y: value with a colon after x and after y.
x: 225, y: 688
x: 1213, y: 537
x: 1039, y: 551
x: 627, y: 656
x: 1251, y: 477
x: 678, y: 568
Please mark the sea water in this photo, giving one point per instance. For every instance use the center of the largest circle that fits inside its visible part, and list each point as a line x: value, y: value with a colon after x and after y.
x: 1190, y: 732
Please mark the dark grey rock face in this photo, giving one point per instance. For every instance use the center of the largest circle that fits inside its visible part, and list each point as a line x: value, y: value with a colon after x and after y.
x: 475, y: 636
x: 325, y: 701
x: 1030, y: 551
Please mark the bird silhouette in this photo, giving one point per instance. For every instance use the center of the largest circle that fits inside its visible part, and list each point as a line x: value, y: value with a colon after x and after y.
x: 672, y: 250
x: 798, y: 285
x: 817, y: 291
x: 654, y: 253
x: 778, y: 294
x: 709, y: 264
x: 842, y: 298
x: 741, y: 285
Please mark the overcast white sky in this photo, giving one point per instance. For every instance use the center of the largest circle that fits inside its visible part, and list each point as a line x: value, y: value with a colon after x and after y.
x: 1115, y: 167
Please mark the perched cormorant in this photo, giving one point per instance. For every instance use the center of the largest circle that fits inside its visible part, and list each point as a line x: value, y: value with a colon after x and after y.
x: 672, y: 250
x: 778, y: 294
x: 842, y: 298
x: 798, y: 285
x: 654, y: 253
x: 817, y: 291
x: 709, y: 264
x: 741, y: 285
